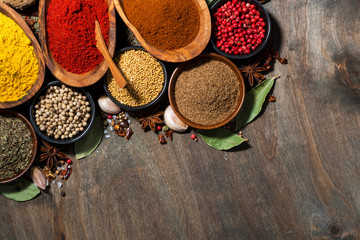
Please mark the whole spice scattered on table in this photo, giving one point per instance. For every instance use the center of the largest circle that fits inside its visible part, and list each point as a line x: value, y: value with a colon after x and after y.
x: 15, y: 146
x: 119, y: 123
x: 56, y: 162
x: 253, y: 71
x: 239, y: 27
x: 151, y: 121
x: 62, y: 112
x: 71, y: 32
x: 168, y: 25
x: 18, y: 63
x: 207, y: 92
x: 144, y: 75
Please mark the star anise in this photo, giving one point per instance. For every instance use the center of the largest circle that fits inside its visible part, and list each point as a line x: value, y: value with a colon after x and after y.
x: 50, y: 154
x: 252, y: 72
x: 151, y: 121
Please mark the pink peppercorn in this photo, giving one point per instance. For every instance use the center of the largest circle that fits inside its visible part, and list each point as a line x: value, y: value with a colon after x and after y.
x: 239, y: 27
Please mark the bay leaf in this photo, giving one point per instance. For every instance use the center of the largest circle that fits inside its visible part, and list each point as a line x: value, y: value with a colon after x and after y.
x: 86, y: 145
x: 253, y: 102
x: 19, y: 190
x: 220, y: 138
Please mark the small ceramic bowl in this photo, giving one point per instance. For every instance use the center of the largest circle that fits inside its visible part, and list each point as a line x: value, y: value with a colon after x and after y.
x: 34, y: 142
x: 50, y: 138
x: 153, y: 102
x: 263, y: 14
x: 206, y: 56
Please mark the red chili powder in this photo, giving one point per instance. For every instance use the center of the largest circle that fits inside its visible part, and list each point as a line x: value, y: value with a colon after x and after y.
x: 71, y: 32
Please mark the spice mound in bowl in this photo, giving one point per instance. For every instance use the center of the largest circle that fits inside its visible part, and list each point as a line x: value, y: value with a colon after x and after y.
x: 18, y: 145
x: 167, y: 25
x: 206, y: 92
x: 19, y: 64
x: 240, y: 28
x: 61, y: 114
x: 145, y: 76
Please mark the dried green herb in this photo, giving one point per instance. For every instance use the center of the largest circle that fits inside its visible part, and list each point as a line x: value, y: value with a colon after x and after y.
x: 253, y: 102
x: 19, y: 190
x: 15, y: 146
x: 220, y: 138
x: 90, y: 141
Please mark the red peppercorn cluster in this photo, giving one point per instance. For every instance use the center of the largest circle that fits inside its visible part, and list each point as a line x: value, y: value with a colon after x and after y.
x: 239, y: 27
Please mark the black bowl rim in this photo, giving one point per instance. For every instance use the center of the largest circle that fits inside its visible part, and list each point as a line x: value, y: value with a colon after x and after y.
x: 51, y: 139
x: 157, y: 99
x: 256, y: 51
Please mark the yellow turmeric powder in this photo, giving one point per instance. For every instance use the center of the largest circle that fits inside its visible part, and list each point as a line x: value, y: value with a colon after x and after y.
x: 18, y: 63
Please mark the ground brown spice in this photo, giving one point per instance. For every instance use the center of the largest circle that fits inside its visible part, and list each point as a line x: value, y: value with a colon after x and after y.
x: 207, y: 92
x: 166, y: 24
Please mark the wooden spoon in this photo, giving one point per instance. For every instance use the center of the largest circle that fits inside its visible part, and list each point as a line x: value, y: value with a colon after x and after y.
x: 188, y: 52
x: 100, y: 44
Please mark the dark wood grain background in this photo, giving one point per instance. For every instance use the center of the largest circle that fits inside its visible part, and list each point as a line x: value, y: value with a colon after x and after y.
x: 298, y: 178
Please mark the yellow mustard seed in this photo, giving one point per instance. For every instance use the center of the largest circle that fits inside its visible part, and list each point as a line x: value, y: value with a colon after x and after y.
x: 144, y: 75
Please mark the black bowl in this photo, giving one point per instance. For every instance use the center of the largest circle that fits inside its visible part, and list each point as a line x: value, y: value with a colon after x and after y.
x: 152, y: 103
x: 263, y: 13
x: 52, y: 139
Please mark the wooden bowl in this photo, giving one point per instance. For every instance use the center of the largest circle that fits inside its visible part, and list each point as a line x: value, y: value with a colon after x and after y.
x: 73, y: 79
x: 9, y: 12
x: 34, y: 141
x: 206, y: 56
x: 188, y: 52
x: 50, y: 138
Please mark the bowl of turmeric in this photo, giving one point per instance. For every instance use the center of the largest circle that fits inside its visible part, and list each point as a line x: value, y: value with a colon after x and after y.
x: 22, y: 65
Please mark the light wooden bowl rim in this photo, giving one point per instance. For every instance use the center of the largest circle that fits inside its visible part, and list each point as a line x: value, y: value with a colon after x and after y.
x: 73, y: 79
x: 34, y: 142
x: 206, y: 56
x: 11, y: 13
x: 186, y: 53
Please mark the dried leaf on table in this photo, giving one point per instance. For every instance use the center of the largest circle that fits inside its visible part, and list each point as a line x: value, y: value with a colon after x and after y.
x: 86, y: 145
x: 253, y: 102
x: 19, y: 190
x: 220, y: 138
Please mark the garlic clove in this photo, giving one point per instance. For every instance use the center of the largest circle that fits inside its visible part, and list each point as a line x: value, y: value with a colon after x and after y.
x: 173, y: 121
x: 107, y: 105
x: 38, y: 178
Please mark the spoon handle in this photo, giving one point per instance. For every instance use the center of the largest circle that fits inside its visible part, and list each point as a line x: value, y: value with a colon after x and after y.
x: 100, y: 44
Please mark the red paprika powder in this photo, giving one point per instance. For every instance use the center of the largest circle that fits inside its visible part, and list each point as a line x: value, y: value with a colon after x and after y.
x: 166, y: 24
x: 71, y: 32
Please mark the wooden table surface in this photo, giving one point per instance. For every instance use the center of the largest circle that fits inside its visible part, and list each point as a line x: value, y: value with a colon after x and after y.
x: 298, y: 178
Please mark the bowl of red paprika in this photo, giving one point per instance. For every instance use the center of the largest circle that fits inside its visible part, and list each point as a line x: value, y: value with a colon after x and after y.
x: 240, y: 28
x: 67, y: 36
